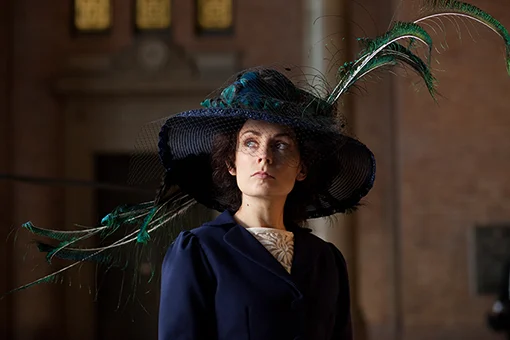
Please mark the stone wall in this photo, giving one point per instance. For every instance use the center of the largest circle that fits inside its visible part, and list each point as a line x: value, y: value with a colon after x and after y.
x: 442, y: 171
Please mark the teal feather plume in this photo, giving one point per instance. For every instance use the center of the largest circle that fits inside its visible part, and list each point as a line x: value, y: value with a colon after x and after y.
x: 60, y: 235
x: 120, y: 216
x: 400, y: 30
x: 166, y: 218
x: 393, y: 55
x: 374, y: 48
x: 406, y: 56
x: 386, y: 50
x: 124, y: 215
x: 72, y: 254
x: 452, y: 8
x: 143, y: 235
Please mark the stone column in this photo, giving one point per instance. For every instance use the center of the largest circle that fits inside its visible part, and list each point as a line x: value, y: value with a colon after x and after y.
x: 324, y: 49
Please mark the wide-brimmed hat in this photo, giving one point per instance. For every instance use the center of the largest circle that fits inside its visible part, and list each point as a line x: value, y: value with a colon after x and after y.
x: 346, y: 166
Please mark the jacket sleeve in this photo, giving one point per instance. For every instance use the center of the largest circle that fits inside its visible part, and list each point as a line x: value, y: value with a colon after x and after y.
x: 186, y: 310
x: 343, y: 324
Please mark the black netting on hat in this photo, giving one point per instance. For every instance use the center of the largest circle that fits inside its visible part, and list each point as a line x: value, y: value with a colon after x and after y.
x: 145, y: 166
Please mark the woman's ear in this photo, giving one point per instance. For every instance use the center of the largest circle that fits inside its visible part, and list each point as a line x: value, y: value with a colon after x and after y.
x: 231, y: 169
x: 301, y: 175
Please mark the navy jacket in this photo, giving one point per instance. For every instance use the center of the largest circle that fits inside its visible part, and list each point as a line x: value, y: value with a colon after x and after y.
x: 219, y: 282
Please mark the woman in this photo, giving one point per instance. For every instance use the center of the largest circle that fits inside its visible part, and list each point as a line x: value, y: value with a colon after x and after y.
x: 255, y: 272
x: 252, y: 274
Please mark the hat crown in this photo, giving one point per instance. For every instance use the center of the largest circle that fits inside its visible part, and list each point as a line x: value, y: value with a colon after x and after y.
x: 271, y: 91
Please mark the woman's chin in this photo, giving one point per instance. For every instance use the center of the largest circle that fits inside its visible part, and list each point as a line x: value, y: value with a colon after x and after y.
x: 265, y: 192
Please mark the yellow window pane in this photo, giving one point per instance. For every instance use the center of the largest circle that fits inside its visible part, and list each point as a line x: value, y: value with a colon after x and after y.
x: 92, y: 15
x: 214, y: 14
x: 153, y: 14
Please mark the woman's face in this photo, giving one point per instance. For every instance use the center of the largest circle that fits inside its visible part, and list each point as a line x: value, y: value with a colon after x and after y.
x: 267, y: 161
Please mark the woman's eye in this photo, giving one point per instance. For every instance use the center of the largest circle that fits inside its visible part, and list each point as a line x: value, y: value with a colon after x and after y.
x: 250, y: 144
x: 281, y: 145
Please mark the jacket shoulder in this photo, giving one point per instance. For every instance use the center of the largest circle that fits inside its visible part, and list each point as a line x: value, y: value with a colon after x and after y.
x: 315, y: 240
x: 208, y: 232
x: 325, y: 247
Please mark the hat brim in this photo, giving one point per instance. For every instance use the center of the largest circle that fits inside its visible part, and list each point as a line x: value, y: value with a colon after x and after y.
x: 185, y: 145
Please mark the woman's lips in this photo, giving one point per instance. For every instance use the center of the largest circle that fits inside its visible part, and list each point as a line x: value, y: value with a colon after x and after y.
x: 262, y: 175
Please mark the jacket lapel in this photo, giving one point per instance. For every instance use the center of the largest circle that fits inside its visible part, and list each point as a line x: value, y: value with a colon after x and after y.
x: 245, y: 244
x: 303, y: 260
x: 248, y: 246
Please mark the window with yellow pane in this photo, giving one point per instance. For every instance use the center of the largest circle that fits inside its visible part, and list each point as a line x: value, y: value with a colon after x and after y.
x: 153, y: 15
x: 214, y: 16
x: 92, y: 16
x: 211, y: 16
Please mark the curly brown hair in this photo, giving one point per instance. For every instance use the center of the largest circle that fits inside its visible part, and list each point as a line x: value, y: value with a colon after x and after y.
x: 304, y: 192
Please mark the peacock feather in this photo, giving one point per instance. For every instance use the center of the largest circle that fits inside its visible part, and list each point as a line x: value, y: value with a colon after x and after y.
x: 145, y: 219
x: 456, y: 9
x: 382, y: 46
x: 386, y: 49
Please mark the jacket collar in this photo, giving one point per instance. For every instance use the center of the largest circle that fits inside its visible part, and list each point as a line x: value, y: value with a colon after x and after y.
x: 248, y: 246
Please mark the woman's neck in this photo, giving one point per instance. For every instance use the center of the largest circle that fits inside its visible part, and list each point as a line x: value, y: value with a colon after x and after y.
x: 256, y: 212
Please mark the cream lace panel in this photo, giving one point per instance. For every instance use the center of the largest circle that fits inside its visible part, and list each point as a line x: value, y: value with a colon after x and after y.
x: 280, y: 243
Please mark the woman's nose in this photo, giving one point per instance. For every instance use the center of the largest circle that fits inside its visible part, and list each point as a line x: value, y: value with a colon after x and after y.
x: 265, y: 154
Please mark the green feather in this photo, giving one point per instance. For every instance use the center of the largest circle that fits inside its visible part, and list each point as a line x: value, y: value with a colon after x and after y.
x: 452, y: 8
x: 396, y: 53
x: 353, y: 72
x: 381, y: 51
x: 73, y: 254
x: 143, y: 235
x: 126, y: 214
x: 399, y: 31
x: 120, y: 216
x: 145, y: 219
x: 60, y: 235
x: 406, y: 56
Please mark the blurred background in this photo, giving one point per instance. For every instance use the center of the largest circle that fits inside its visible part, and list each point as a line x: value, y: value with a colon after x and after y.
x: 78, y: 78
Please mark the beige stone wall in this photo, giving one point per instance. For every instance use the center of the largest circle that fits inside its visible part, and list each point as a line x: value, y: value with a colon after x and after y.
x: 441, y: 171
x: 453, y: 161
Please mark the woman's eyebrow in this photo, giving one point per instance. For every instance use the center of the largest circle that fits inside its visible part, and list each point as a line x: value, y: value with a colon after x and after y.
x: 283, y: 134
x: 252, y: 132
